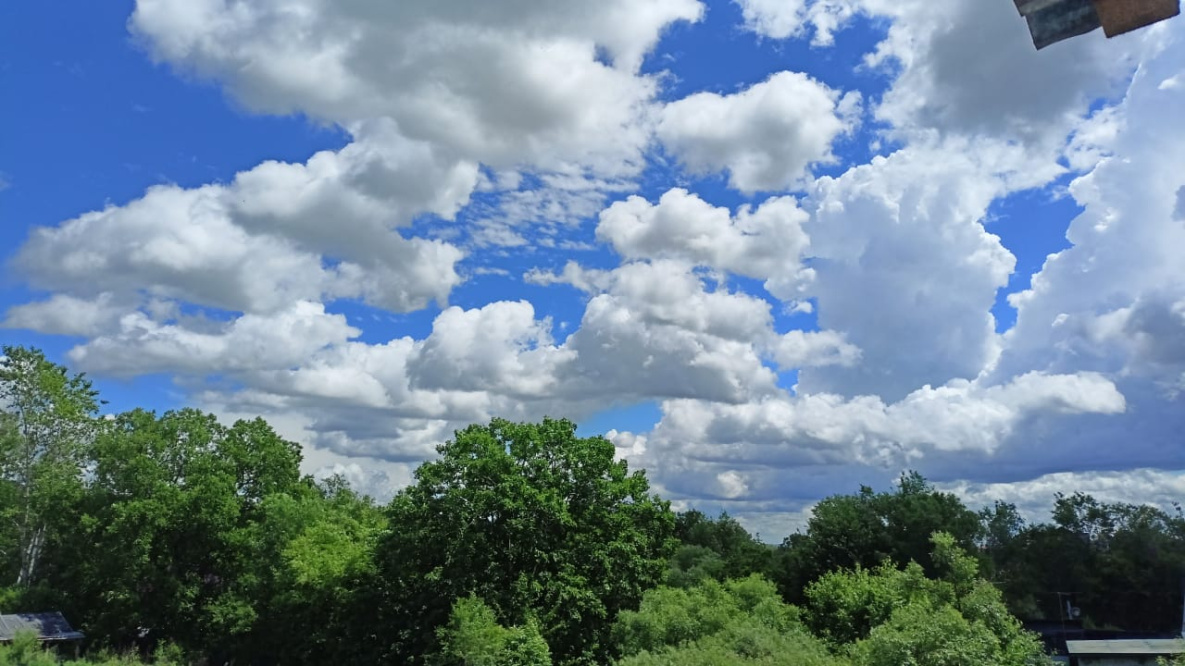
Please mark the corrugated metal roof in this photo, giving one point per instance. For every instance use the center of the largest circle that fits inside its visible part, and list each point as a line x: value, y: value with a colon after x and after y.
x: 1149, y: 646
x: 47, y: 626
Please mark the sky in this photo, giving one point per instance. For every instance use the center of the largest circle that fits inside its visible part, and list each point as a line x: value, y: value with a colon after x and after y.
x: 772, y: 249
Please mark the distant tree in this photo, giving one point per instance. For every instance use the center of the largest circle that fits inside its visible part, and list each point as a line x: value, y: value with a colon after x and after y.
x: 717, y: 624
x: 536, y: 522
x: 1123, y: 565
x: 718, y: 548
x: 864, y: 529
x: 47, y: 424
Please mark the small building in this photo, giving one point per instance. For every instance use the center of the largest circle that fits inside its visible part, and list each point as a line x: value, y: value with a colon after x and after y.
x: 50, y: 628
x: 1124, y: 652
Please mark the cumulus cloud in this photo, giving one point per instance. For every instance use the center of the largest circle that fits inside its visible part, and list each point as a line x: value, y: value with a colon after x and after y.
x: 765, y: 136
x: 62, y: 314
x: 800, y: 349
x: 765, y: 242
x: 514, y: 124
x: 251, y: 342
x: 1034, y: 498
x: 965, y: 67
x: 519, y: 84
x: 268, y: 238
x: 500, y: 347
x: 905, y: 269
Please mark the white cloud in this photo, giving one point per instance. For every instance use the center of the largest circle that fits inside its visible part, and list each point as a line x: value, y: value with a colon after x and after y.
x: 786, y: 449
x: 519, y: 84
x: 799, y: 349
x: 767, y: 242
x: 1035, y: 497
x: 500, y: 347
x: 777, y: 19
x: 266, y: 239
x: 657, y: 332
x: 251, y: 342
x: 966, y: 67
x: 905, y: 270
x: 766, y: 136
x: 589, y: 280
x: 61, y: 314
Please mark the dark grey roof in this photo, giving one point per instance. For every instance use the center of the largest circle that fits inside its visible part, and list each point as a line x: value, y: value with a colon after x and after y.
x: 47, y: 626
x: 1051, y: 21
x: 1144, y: 646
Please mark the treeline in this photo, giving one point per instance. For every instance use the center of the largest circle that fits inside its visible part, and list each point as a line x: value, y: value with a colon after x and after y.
x: 179, y: 539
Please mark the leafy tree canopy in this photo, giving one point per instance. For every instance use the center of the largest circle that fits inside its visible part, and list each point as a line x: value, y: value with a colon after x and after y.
x: 846, y: 531
x: 890, y: 616
x: 536, y: 522
x: 717, y: 624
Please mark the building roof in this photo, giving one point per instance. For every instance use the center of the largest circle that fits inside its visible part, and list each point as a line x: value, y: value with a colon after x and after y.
x: 1051, y: 21
x: 47, y: 626
x: 1149, y: 646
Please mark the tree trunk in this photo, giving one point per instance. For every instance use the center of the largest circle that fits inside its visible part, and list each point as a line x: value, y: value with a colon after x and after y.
x: 30, y: 554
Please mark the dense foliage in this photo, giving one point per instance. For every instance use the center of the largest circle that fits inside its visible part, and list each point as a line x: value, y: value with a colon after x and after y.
x: 176, y: 538
x: 535, y: 521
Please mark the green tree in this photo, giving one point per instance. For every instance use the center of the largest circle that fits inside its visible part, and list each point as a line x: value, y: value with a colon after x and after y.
x: 46, y: 430
x: 536, y: 522
x: 717, y: 624
x: 846, y: 531
x: 168, y: 543
x: 1122, y: 564
x: 720, y: 549
x: 473, y: 637
x: 315, y: 555
x: 890, y: 616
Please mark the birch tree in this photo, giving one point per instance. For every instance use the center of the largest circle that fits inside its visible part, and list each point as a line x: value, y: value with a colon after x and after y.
x: 49, y: 416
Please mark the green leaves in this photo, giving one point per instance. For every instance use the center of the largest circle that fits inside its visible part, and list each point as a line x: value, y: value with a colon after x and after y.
x: 717, y: 624
x: 864, y: 529
x: 890, y: 616
x: 473, y: 637
x: 46, y: 428
x: 533, y: 520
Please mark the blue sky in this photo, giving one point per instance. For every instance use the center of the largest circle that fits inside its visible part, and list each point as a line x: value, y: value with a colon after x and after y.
x: 790, y: 260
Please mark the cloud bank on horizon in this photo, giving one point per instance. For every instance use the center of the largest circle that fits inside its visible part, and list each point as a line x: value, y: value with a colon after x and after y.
x: 798, y: 270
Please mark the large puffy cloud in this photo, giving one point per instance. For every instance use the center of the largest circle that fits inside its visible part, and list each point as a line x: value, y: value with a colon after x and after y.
x: 657, y: 332
x: 519, y: 83
x: 269, y: 237
x: 765, y: 136
x: 966, y: 67
x: 500, y: 347
x: 766, y: 242
x: 905, y: 269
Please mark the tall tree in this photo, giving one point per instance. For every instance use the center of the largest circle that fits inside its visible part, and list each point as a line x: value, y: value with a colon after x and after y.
x: 168, y: 544
x: 867, y: 528
x: 50, y: 425
x: 536, y: 522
